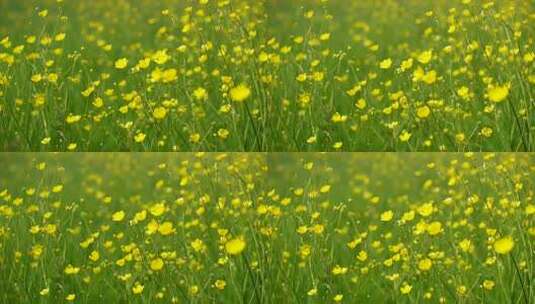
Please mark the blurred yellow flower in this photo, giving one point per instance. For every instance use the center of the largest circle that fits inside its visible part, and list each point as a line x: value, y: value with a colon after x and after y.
x: 118, y: 216
x: 385, y: 64
x: 220, y: 284
x: 156, y: 264
x: 425, y: 57
x: 121, y: 63
x: 504, y: 245
x: 387, y: 216
x: 423, y: 112
x: 498, y: 93
x: 166, y: 228
x: 137, y: 288
x: 240, y: 93
x: 159, y: 113
x: 70, y: 297
x: 488, y: 284
x: 405, y: 288
x: 235, y: 246
x: 425, y: 264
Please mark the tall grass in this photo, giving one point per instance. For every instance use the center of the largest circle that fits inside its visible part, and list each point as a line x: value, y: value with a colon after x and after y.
x: 456, y: 75
x: 317, y: 228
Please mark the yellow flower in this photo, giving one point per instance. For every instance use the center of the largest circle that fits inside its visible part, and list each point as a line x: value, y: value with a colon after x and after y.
x: 60, y: 37
x: 408, y: 216
x: 302, y: 229
x: 71, y: 269
x: 220, y: 284
x: 88, y: 91
x: 151, y: 227
x: 405, y: 288
x: 337, y: 270
x: 504, y: 245
x: 140, y: 216
x: 362, y: 256
x: 98, y: 102
x: 144, y: 63
x: 156, y: 75
x: 498, y: 93
x: 37, y: 251
x: 137, y: 288
x: 118, y: 216
x: 338, y: 297
x: 200, y: 94
x: 169, y: 75
x: 140, y: 137
x: 463, y: 92
x: 430, y: 77
x: 94, y: 256
x: 71, y: 146
x: 488, y: 284
x: 159, y: 113
x: 121, y: 63
x: 36, y: 78
x: 198, y: 245
x: 161, y: 57
x: 240, y: 93
x: 337, y: 118
x: 301, y: 77
x: 426, y: 209
x: 486, y: 132
x: 44, y: 291
x: 40, y: 100
x: 434, y: 228
x: 223, y: 133
x: 466, y: 245
x: 530, y: 209
x: 195, y: 138
x: 407, y: 64
x: 423, y: 112
x: 57, y: 188
x: 325, y: 188
x: 361, y: 104
x: 425, y: 264
x: 387, y: 216
x: 157, y: 209
x: 70, y: 297
x: 73, y: 118
x: 166, y: 228
x: 193, y: 290
x: 405, y: 136
x: 325, y: 36
x: 156, y: 264
x: 235, y: 246
x: 385, y: 64
x: 425, y: 57
x: 312, y: 139
x: 263, y: 57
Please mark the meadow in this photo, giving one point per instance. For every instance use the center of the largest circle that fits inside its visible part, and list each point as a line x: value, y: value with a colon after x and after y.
x: 253, y: 75
x: 267, y: 228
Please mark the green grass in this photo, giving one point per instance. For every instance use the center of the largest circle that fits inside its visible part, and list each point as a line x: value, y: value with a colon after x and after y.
x: 300, y: 216
x: 267, y: 45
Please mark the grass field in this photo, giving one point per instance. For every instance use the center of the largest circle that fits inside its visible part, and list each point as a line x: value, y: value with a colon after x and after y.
x: 258, y: 228
x: 244, y: 75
